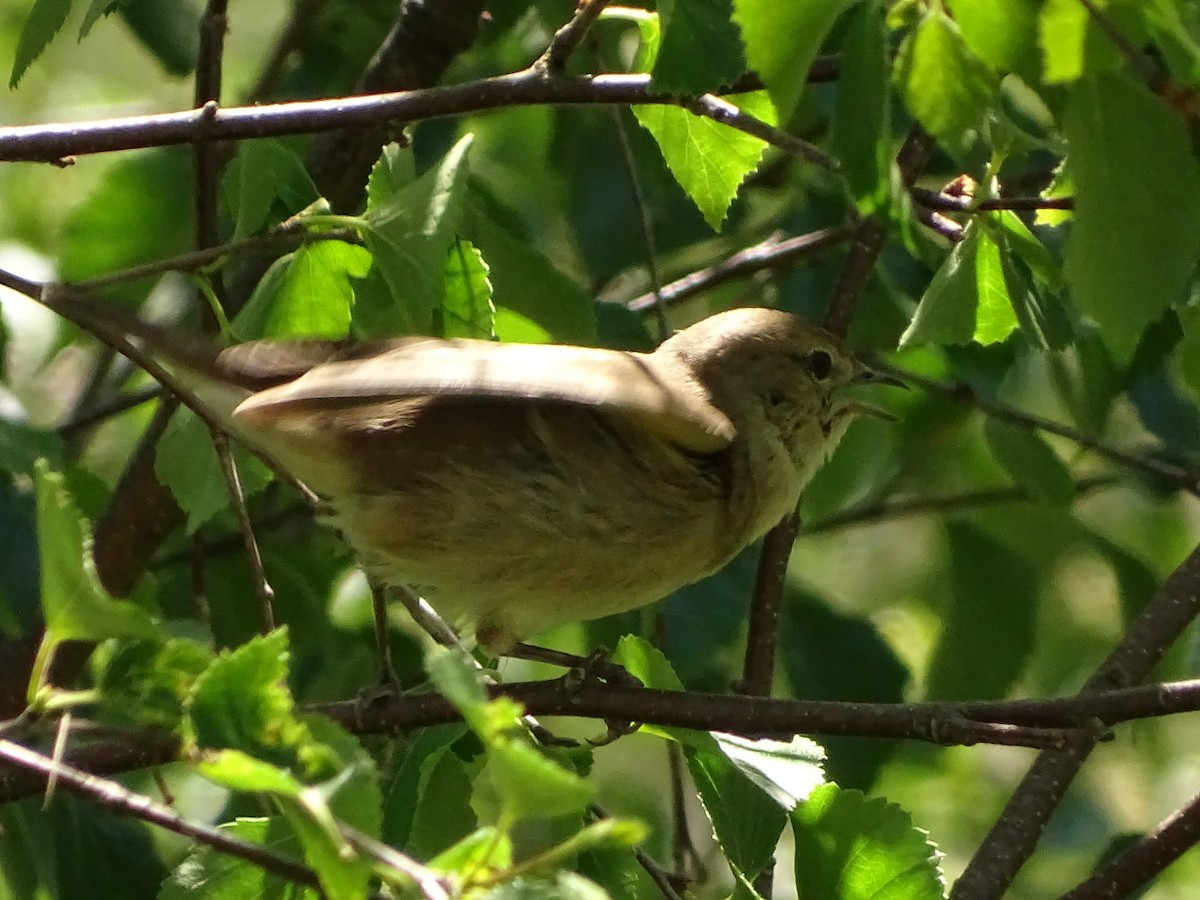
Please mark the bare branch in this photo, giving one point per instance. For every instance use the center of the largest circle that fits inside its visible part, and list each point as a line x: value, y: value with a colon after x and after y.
x: 125, y: 802
x: 568, y: 38
x: 1135, y: 866
x: 773, y: 253
x: 39, y: 143
x: 1014, y: 837
x: 960, y: 392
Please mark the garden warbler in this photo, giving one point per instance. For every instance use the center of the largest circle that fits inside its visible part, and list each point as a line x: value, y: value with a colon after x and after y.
x: 518, y: 486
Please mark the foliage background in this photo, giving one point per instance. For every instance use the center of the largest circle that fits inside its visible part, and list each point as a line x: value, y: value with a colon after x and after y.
x: 1088, y: 319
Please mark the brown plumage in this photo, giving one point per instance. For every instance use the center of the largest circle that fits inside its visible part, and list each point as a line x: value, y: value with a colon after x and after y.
x: 521, y: 486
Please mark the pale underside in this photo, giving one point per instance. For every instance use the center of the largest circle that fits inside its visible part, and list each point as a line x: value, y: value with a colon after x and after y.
x: 517, y: 515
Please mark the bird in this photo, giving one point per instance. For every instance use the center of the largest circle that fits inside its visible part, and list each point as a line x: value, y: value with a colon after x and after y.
x: 518, y: 486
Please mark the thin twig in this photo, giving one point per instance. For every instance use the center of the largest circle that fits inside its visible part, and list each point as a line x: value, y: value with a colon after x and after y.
x: 428, y: 882
x: 262, y: 588
x: 125, y: 802
x: 758, y: 670
x: 385, y: 674
x: 1142, y: 64
x: 1015, y: 835
x: 662, y: 879
x: 568, y: 38
x: 1137, y: 864
x: 38, y: 143
x: 960, y: 392
x: 904, y: 507
x: 944, y: 226
x: 294, y: 34
x: 1010, y: 722
x: 869, y: 237
x: 773, y: 253
x: 114, y: 407
x: 642, y: 210
x: 283, y: 238
x: 939, y: 200
x: 206, y: 157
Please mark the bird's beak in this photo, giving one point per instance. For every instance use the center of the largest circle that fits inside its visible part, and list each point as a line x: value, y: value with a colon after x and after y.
x: 871, y: 376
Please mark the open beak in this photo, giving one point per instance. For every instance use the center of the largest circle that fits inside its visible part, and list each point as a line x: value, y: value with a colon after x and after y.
x: 871, y: 376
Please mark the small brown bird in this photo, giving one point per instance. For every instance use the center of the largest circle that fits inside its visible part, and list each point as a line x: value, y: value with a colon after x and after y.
x: 522, y: 486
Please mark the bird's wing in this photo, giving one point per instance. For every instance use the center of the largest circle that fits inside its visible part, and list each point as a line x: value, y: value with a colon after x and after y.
x: 659, y: 393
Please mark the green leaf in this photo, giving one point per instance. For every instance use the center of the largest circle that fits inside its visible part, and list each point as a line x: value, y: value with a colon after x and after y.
x: 132, y: 217
x: 860, y: 120
x: 747, y: 821
x: 186, y: 462
x: 1030, y: 461
x: 850, y: 847
x: 782, y: 40
x: 532, y: 296
x: 46, y: 18
x: 701, y: 49
x: 145, y: 683
x: 467, y: 309
x: 1136, y: 237
x: 242, y: 703
x: 215, y: 875
x: 946, y: 314
x: 709, y: 160
x: 1022, y: 108
x: 830, y: 655
x: 75, y: 604
x: 95, y: 10
x: 458, y: 680
x: 1003, y: 35
x: 1136, y: 581
x: 945, y: 86
x: 351, y: 797
x: 786, y: 772
x: 1062, y: 31
x: 262, y: 172
x: 484, y: 851
x: 988, y: 631
x: 995, y: 318
x: 75, y: 848
x: 169, y: 29
x: 409, y: 233
x: 1186, y: 358
x: 315, y: 295
x: 415, y: 785
x: 518, y: 783
x: 393, y: 172
x: 22, y: 445
x: 647, y: 663
x: 1034, y: 284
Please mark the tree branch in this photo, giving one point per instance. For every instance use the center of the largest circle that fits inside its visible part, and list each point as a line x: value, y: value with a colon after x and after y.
x: 1015, y: 835
x: 44, y: 143
x: 961, y: 392
x: 1021, y: 723
x: 1134, y: 866
x: 41, y: 769
x: 773, y: 253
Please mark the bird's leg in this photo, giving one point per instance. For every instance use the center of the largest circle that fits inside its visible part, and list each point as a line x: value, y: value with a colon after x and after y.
x: 595, y: 665
x: 385, y: 675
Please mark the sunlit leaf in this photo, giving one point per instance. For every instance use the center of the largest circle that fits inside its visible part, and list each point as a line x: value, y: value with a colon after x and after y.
x: 857, y: 848
x: 1136, y: 236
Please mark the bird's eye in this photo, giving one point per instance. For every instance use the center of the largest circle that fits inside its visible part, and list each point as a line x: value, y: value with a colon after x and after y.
x: 775, y: 397
x: 820, y: 364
